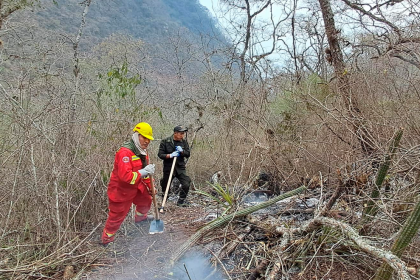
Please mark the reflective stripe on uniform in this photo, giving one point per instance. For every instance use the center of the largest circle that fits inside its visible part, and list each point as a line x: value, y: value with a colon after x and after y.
x: 133, y: 181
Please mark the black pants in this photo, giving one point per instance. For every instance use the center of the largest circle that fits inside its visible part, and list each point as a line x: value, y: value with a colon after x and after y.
x: 183, y: 179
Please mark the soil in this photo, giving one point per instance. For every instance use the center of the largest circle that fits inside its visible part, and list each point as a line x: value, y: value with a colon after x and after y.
x: 136, y: 254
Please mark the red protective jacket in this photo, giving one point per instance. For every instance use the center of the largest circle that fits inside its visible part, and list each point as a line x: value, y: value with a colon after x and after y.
x: 125, y: 180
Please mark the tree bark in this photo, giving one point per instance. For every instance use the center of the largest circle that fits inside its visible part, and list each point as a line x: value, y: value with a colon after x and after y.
x: 342, y: 75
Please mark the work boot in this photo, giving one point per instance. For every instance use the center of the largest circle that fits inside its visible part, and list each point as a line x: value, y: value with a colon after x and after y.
x: 107, y: 238
x: 183, y: 203
x: 172, y: 198
x: 139, y: 217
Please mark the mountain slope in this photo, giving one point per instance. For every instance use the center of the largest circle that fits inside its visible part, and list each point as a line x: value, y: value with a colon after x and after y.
x: 149, y: 20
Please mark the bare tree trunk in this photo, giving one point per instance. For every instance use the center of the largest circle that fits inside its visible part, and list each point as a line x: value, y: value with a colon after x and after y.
x: 70, y: 132
x: 337, y: 61
x: 76, y: 69
x: 247, y: 42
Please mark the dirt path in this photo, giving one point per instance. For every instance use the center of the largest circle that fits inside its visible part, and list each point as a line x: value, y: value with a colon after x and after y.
x: 136, y: 254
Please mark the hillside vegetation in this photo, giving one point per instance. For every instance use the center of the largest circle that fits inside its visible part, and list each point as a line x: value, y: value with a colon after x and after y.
x: 148, y: 20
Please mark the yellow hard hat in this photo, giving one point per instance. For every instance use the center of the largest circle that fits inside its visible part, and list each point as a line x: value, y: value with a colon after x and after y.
x: 144, y: 129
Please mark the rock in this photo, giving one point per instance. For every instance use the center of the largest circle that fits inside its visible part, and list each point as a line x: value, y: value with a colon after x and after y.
x: 215, y: 177
x: 68, y: 272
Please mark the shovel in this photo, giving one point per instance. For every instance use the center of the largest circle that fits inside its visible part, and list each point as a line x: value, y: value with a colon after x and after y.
x: 156, y: 226
x: 167, y: 186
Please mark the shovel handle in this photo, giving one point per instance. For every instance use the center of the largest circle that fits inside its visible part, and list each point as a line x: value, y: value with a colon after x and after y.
x: 169, y: 183
x: 152, y: 186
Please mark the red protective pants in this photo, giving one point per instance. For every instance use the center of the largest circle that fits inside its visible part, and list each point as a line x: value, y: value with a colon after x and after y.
x: 118, y: 210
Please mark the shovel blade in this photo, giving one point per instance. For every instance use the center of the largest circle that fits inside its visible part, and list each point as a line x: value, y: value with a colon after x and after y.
x: 156, y: 226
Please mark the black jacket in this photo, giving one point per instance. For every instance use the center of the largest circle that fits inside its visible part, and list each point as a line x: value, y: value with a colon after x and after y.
x: 167, y: 146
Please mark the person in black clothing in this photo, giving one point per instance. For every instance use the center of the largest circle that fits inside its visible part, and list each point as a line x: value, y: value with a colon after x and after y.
x: 169, y: 148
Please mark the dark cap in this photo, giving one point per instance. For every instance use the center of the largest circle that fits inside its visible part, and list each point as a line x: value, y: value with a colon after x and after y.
x: 180, y: 128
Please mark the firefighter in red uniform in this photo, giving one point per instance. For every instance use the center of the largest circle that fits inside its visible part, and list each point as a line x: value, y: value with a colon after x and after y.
x: 130, y: 182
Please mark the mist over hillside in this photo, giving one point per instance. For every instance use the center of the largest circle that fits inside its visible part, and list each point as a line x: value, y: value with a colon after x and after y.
x: 170, y: 32
x: 149, y: 20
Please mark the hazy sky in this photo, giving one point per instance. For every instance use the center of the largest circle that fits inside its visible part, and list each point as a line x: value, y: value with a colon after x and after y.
x: 208, y: 4
x: 213, y: 5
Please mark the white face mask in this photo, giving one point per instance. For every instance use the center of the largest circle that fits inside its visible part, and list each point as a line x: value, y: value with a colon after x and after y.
x: 135, y: 138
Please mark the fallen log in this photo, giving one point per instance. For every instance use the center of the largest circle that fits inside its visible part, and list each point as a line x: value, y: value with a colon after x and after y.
x: 395, y: 262
x: 228, y: 218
